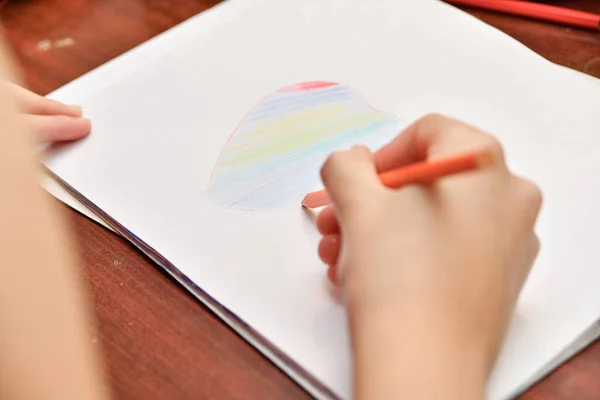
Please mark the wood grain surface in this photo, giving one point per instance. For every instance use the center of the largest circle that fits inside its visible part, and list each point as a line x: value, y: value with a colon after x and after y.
x: 158, y: 341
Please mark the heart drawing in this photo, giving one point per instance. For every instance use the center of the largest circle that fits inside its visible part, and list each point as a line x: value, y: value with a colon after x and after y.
x: 273, y: 158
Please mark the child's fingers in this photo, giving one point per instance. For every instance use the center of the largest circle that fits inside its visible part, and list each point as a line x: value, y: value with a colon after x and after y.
x: 327, y: 223
x: 431, y: 136
x: 351, y: 182
x: 50, y: 128
x: 33, y: 103
x: 329, y: 248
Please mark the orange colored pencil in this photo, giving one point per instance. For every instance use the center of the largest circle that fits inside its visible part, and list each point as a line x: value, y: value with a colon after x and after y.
x: 422, y: 172
x: 538, y: 11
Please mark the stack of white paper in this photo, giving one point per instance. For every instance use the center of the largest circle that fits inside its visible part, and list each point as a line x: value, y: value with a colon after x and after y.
x: 164, y: 112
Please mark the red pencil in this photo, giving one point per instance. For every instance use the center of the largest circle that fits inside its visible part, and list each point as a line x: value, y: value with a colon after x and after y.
x: 422, y: 172
x: 536, y: 11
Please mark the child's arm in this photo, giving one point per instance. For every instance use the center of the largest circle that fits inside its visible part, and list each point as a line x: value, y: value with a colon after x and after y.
x: 45, y: 340
x: 430, y: 274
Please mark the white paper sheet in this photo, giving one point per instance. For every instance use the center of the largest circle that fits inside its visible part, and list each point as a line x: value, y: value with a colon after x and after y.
x: 163, y: 113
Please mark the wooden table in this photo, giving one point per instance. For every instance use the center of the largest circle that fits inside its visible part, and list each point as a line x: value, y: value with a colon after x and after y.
x: 158, y: 341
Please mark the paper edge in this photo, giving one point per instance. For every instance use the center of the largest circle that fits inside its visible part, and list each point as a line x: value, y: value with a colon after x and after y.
x: 279, y: 358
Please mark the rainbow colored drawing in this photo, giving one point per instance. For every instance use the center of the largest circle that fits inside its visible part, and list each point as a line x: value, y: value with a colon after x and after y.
x: 273, y: 157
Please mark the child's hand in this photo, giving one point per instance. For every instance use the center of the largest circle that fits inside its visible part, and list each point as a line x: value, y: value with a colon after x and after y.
x: 447, y: 260
x: 50, y: 120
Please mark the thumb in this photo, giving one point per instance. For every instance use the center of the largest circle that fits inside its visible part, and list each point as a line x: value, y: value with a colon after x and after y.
x: 351, y: 180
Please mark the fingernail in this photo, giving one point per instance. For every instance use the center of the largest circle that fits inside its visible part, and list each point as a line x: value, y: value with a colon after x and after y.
x: 332, y: 274
x: 78, y: 111
x: 88, y: 125
x: 85, y: 128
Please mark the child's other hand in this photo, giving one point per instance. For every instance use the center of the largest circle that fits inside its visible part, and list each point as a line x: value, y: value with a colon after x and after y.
x: 450, y: 258
x: 50, y: 120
